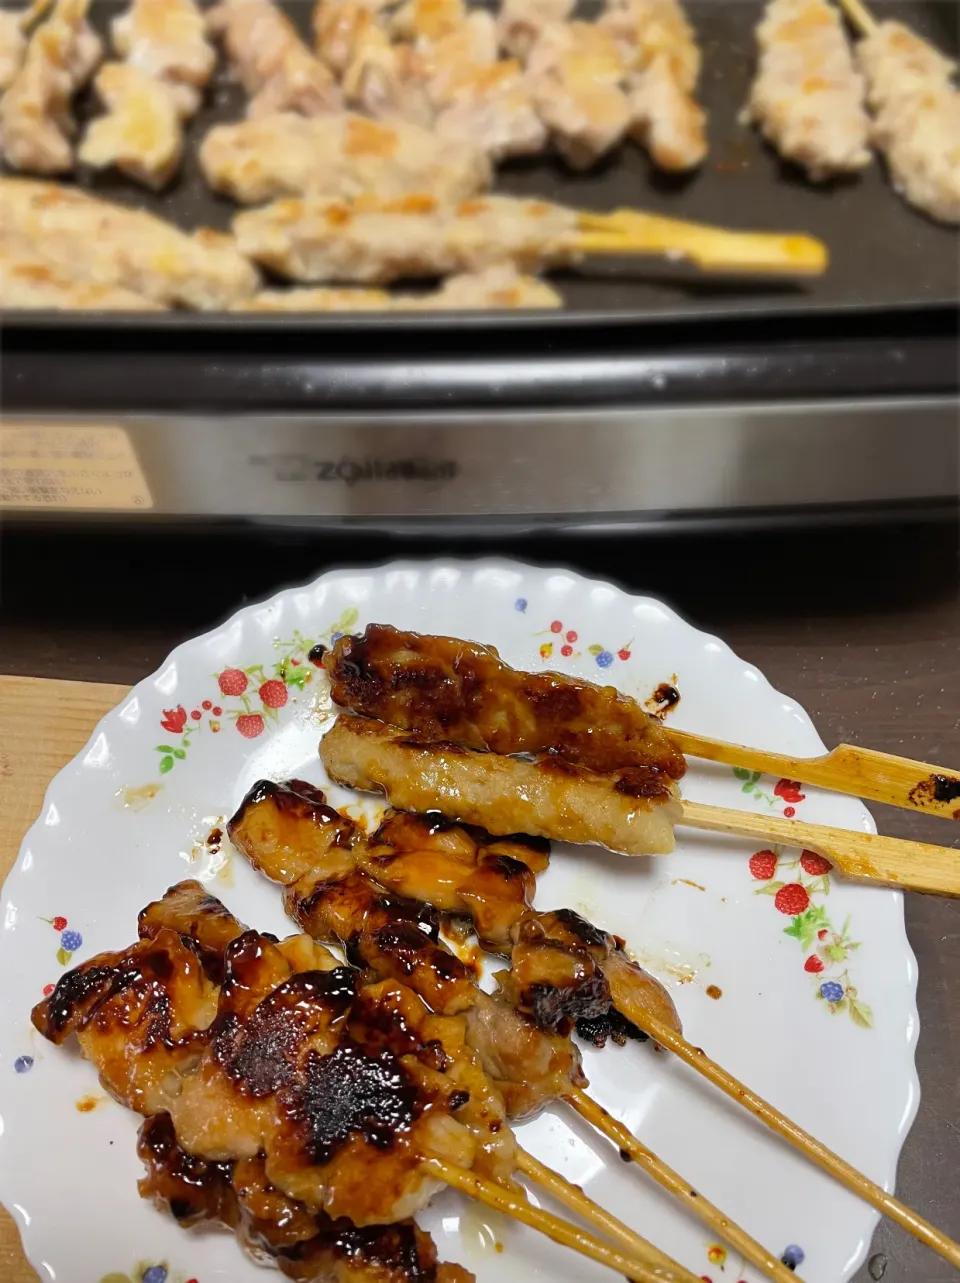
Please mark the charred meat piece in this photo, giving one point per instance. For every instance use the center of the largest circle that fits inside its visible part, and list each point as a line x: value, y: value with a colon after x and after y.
x: 447, y: 689
x: 344, y: 1088
x: 189, y: 909
x: 398, y: 938
x: 275, y: 1229
x: 634, y: 992
x: 632, y: 810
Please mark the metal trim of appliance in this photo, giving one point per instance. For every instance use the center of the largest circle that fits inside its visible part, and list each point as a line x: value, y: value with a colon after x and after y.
x: 242, y: 376
x: 589, y: 469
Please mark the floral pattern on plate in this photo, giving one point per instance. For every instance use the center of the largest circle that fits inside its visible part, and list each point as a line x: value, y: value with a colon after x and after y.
x: 96, y: 855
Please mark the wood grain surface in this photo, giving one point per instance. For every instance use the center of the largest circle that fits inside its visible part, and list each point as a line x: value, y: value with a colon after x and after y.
x: 861, y: 626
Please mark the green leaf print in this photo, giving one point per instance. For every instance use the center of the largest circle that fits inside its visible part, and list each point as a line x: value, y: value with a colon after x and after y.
x: 741, y: 772
x: 861, y: 1014
x: 166, y: 764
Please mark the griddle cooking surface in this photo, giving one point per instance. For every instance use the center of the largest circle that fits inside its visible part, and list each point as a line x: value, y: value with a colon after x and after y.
x: 883, y: 253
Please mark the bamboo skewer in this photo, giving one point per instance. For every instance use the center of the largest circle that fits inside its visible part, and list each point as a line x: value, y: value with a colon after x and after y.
x: 817, y: 1152
x: 629, y: 231
x: 748, y: 1247
x: 554, y: 1227
x: 575, y: 1200
x: 862, y: 857
x: 861, y: 772
x: 33, y: 13
x: 860, y: 16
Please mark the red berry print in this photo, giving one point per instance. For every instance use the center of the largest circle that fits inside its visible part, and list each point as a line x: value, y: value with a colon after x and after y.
x: 232, y: 681
x: 623, y: 654
x: 822, y: 933
x: 571, y: 636
x: 789, y: 812
x: 196, y: 714
x: 789, y: 790
x: 250, y: 725
x: 792, y: 898
x: 217, y: 710
x: 566, y: 650
x: 556, y: 626
x: 815, y: 865
x: 813, y: 964
x: 763, y: 865
x: 206, y: 706
x: 59, y: 924
x: 273, y: 693
x: 48, y: 990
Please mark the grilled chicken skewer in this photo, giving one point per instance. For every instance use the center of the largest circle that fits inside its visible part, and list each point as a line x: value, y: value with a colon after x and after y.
x: 912, y: 92
x: 576, y: 72
x: 98, y: 243
x: 808, y: 96
x: 253, y: 1066
x: 278, y: 1230
x: 29, y: 283
x: 327, y: 866
x: 420, y: 235
x: 36, y: 120
x: 663, y: 62
x: 337, y: 157
x: 446, y: 689
x: 498, y: 287
x: 273, y: 64
x: 167, y: 63
x: 188, y: 909
x: 275, y: 1229
x: 632, y: 810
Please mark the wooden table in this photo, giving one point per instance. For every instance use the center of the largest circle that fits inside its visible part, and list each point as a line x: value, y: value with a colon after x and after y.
x: 862, y: 627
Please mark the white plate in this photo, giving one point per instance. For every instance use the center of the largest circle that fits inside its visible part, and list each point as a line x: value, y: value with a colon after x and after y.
x: 130, y: 814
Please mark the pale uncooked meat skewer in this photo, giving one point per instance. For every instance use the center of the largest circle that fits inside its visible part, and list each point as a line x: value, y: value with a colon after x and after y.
x: 273, y: 64
x: 912, y: 92
x: 337, y: 157
x: 808, y: 97
x: 167, y: 61
x: 36, y: 117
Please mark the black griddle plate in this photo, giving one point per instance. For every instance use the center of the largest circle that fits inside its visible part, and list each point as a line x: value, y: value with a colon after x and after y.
x: 884, y: 255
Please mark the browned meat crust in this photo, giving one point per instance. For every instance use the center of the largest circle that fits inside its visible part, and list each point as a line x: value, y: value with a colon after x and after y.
x: 273, y: 1228
x: 632, y: 810
x: 342, y: 1087
x: 447, y: 689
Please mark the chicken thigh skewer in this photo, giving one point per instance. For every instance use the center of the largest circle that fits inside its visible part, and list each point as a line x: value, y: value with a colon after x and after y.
x: 443, y: 688
x: 327, y: 867
x: 103, y: 244
x: 377, y: 240
x: 167, y: 63
x: 808, y: 96
x: 912, y: 91
x: 36, y: 119
x: 361, y: 1101
x: 663, y: 62
x: 273, y: 64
